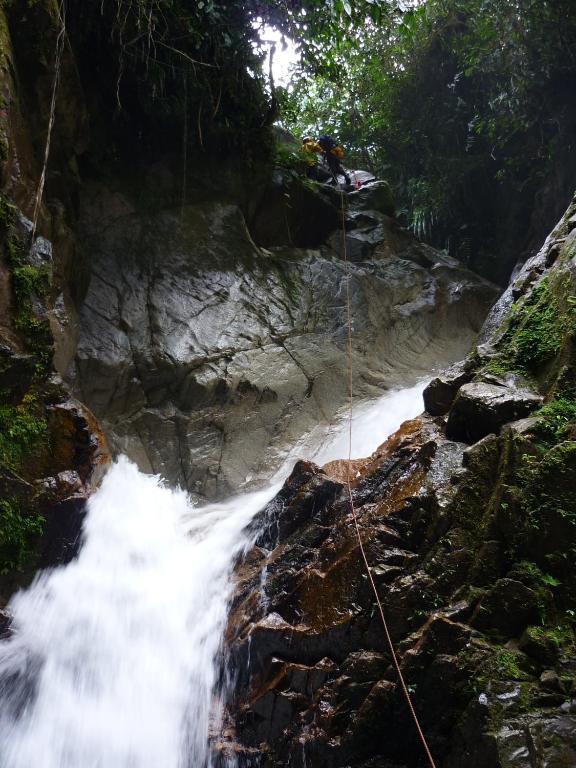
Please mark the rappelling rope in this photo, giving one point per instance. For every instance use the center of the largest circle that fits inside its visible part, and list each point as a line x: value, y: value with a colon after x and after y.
x: 350, y: 497
x: 60, y: 40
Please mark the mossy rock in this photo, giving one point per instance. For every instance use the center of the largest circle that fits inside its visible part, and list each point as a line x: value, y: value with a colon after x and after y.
x: 541, y: 644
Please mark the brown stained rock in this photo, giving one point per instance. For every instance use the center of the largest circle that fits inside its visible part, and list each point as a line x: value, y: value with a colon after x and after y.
x: 365, y: 732
x: 341, y: 469
x: 365, y: 666
x: 78, y: 442
x: 326, y: 598
x: 410, y: 436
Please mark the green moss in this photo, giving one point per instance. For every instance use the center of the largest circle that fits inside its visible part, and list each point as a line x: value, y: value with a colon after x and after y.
x: 505, y: 665
x: 18, y: 529
x: 559, y: 635
x: 538, y: 329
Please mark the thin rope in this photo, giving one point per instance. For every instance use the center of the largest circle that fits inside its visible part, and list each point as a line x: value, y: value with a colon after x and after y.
x: 350, y: 497
x: 57, y: 62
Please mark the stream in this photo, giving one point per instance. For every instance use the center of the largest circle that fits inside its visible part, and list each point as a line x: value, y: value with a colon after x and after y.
x: 114, y: 658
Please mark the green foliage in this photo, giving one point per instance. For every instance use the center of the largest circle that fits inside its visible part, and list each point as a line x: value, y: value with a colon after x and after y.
x: 289, y: 159
x: 194, y: 70
x: 455, y: 101
x: 322, y: 29
x: 549, y: 486
x: 23, y: 431
x: 557, y: 419
x: 18, y: 529
x: 29, y: 285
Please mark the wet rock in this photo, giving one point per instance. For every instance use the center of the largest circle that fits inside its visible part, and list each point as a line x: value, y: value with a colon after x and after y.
x: 549, y: 679
x: 5, y: 621
x: 365, y: 666
x: 204, y: 355
x: 80, y: 442
x: 40, y: 255
x: 481, y: 408
x: 61, y: 537
x: 507, y: 608
x: 364, y: 734
x: 315, y: 492
x: 60, y: 486
x: 440, y: 393
x: 16, y: 373
x: 376, y: 196
x: 461, y: 578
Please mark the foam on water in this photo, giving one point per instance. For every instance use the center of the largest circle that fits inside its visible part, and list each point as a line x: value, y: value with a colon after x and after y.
x: 114, y: 659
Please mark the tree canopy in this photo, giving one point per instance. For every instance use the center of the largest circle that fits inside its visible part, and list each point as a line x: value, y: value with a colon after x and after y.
x: 452, y: 100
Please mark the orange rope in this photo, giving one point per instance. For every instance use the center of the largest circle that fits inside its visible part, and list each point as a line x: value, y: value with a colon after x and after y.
x: 349, y: 485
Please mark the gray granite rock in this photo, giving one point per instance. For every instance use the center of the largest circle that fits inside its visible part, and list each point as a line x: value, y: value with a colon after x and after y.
x: 481, y: 408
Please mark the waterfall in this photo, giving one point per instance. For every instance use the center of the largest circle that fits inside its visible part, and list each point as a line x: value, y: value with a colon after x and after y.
x: 114, y: 658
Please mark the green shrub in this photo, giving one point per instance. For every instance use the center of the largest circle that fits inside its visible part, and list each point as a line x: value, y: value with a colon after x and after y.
x: 17, y: 532
x: 557, y: 418
x: 23, y: 432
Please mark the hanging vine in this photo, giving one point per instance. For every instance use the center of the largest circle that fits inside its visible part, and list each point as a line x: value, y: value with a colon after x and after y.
x: 60, y: 42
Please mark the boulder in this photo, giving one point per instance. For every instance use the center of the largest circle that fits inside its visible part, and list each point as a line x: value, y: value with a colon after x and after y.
x: 440, y: 393
x: 481, y: 408
x: 375, y: 196
x: 507, y: 608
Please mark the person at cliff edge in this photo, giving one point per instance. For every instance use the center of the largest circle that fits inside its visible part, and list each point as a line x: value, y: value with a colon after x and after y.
x: 333, y: 154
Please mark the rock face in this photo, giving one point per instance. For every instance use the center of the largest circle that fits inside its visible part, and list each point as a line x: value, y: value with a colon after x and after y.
x: 481, y: 408
x: 205, y: 355
x: 469, y: 549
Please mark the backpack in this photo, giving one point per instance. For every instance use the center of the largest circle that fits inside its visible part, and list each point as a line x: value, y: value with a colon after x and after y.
x: 327, y: 143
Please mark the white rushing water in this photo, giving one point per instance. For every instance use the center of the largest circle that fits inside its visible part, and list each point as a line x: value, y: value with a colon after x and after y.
x: 114, y: 659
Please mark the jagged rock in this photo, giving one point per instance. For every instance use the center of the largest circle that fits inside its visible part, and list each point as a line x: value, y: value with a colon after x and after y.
x: 481, y: 408
x: 440, y: 393
x: 467, y: 547
x: 539, y: 645
x: 80, y: 442
x: 291, y: 215
x: 364, y: 733
x: 16, y: 373
x: 60, y: 486
x: 40, y: 254
x: 375, y: 196
x: 365, y: 666
x: 508, y: 608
